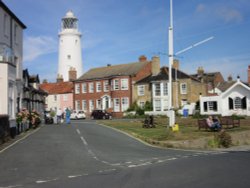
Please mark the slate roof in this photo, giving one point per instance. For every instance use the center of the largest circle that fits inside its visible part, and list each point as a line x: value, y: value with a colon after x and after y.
x: 207, y: 77
x: 163, y: 75
x: 115, y: 70
x: 223, y: 86
x: 57, y: 88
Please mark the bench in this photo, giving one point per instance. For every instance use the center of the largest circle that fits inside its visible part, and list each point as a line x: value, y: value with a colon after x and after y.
x: 229, y: 122
x: 202, y: 123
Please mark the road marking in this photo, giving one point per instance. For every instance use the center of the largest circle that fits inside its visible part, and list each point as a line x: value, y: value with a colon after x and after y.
x: 75, y: 176
x: 45, y: 181
x: 12, y: 186
x: 78, y: 131
x: 84, y: 141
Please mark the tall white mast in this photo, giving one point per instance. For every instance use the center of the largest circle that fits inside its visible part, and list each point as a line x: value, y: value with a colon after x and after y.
x: 171, y: 58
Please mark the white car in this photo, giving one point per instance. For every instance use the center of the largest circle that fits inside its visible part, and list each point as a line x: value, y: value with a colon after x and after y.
x: 78, y: 115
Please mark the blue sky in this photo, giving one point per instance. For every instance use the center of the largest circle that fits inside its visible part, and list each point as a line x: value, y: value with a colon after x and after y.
x: 119, y: 31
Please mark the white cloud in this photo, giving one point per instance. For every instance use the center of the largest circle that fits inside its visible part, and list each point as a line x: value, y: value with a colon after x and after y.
x: 229, y: 14
x: 38, y: 46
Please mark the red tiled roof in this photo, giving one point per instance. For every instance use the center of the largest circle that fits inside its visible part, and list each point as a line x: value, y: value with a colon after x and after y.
x: 57, y: 88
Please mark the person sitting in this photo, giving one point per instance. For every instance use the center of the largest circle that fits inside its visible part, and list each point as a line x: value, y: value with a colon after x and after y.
x: 213, y: 124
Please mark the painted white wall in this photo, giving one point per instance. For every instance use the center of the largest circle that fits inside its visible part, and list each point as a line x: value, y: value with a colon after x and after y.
x: 70, y: 54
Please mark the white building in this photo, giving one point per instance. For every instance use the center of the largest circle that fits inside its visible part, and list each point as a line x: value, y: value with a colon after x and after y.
x: 233, y: 98
x: 70, y: 55
x: 11, y: 56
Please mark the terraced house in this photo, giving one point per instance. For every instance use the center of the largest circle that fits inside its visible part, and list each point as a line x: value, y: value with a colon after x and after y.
x: 111, y: 88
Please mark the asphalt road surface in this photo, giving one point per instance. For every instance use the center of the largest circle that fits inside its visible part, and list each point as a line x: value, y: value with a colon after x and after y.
x: 85, y: 154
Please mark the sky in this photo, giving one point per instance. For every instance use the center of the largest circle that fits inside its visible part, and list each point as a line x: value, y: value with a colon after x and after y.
x: 119, y: 31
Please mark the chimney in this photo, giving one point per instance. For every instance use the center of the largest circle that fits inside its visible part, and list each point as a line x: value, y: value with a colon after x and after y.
x: 142, y: 58
x: 230, y: 78
x: 176, y: 64
x: 155, y: 69
x: 108, y: 65
x: 248, y: 71
x: 45, y: 81
x: 59, y: 78
x: 200, y: 71
x: 72, y: 74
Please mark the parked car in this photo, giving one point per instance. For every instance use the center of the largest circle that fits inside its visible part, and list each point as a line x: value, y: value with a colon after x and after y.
x: 100, y: 114
x: 78, y: 114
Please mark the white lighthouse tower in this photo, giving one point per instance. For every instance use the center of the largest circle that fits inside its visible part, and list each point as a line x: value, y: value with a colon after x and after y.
x: 70, y: 56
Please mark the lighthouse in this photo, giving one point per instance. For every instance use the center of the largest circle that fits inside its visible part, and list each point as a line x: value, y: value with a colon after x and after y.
x: 69, y: 54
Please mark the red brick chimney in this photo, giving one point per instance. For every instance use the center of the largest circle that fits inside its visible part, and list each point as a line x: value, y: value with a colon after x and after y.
x: 72, y: 74
x: 248, y: 74
x: 142, y: 58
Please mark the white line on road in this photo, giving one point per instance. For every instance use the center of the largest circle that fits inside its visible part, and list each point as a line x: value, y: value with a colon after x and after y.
x: 84, y: 141
x: 78, y: 131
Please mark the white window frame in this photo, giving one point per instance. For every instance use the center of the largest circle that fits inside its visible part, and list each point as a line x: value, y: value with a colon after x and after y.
x: 124, y: 84
x: 125, y: 103
x: 91, y: 87
x: 106, y: 86
x: 237, y: 103
x: 116, y: 84
x: 84, y: 87
x: 55, y: 97
x: 91, y: 105
x: 77, y: 105
x: 65, y: 97
x: 183, y: 88
x: 77, y: 88
x: 84, y: 105
x: 116, y: 105
x: 98, y: 104
x: 141, y: 90
x: 158, y: 89
x: 98, y: 87
x: 165, y: 89
x: 157, y: 105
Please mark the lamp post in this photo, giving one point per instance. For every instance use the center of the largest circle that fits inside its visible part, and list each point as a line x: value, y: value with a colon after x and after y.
x: 171, y: 114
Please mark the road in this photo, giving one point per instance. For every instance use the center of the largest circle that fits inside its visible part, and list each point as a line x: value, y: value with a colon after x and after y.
x: 85, y: 154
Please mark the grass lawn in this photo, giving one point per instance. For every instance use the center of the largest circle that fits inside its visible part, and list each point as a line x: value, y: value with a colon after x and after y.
x: 187, y: 129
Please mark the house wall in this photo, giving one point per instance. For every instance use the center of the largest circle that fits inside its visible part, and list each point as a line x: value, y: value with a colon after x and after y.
x: 66, y: 101
x: 147, y: 95
x: 211, y: 99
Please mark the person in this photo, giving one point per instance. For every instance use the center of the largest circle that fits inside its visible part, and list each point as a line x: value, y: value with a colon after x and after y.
x: 59, y: 115
x: 214, y: 124
x: 67, y: 112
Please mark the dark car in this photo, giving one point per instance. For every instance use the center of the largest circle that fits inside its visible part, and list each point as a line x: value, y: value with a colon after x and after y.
x: 100, y: 114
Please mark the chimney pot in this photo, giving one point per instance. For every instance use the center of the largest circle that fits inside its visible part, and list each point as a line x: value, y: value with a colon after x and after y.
x: 142, y: 58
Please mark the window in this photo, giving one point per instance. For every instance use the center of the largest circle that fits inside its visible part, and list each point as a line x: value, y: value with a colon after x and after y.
x: 77, y: 88
x: 230, y: 103
x: 91, y: 87
x: 165, y: 89
x: 157, y: 89
x: 77, y: 105
x: 165, y: 105
x: 65, y: 97
x: 84, y: 88
x: 98, y: 104
x: 91, y: 105
x: 237, y: 103
x: 116, y: 105
x: 141, y: 90
x: 98, y: 87
x: 141, y: 104
x: 15, y: 33
x: 55, y: 98
x: 84, y: 105
x: 125, y: 104
x: 116, y: 84
x: 210, y: 106
x: 106, y: 86
x: 124, y: 84
x: 5, y: 25
x: 183, y: 88
x: 68, y: 57
x: 157, y: 105
x: 244, y: 103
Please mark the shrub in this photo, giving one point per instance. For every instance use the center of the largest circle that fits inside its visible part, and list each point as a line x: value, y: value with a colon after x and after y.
x: 224, y: 139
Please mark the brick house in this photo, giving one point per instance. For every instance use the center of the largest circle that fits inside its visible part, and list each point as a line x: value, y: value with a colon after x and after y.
x: 154, y: 88
x: 111, y: 87
x: 60, y: 95
x: 211, y: 79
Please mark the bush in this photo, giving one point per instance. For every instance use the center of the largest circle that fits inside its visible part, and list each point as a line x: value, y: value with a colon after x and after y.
x: 224, y: 139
